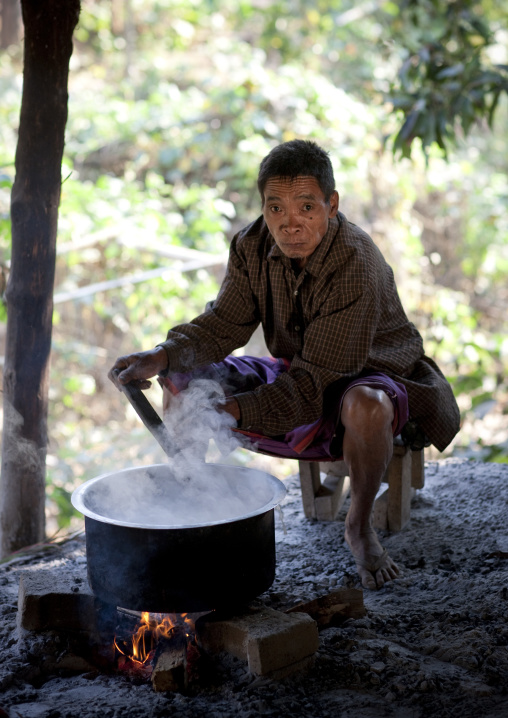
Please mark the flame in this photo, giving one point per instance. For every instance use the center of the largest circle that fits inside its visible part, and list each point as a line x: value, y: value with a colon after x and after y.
x: 152, y: 628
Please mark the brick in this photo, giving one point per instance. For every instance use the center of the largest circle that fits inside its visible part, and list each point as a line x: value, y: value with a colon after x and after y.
x: 272, y: 643
x: 51, y: 600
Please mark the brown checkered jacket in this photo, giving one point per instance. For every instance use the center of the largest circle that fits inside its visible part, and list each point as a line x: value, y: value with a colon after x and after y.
x: 339, y: 316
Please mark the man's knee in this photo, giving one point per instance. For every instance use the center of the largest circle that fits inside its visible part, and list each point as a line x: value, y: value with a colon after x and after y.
x: 366, y: 407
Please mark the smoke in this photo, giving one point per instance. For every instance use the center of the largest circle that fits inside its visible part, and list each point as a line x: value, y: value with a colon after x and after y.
x: 194, y: 421
x: 196, y: 426
x: 187, y: 491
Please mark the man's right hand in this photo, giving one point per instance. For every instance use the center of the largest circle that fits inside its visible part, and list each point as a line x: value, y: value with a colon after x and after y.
x: 138, y: 367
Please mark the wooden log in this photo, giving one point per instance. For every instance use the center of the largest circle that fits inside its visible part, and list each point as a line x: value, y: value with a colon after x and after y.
x: 170, y: 672
x: 333, y: 608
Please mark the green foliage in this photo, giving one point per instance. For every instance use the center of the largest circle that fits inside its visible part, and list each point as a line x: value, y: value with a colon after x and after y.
x: 446, y: 79
x: 62, y: 507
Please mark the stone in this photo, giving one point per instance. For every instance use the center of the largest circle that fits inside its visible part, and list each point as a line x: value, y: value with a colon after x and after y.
x: 31, y: 710
x: 273, y: 643
x: 51, y: 600
x: 476, y: 688
x: 378, y: 667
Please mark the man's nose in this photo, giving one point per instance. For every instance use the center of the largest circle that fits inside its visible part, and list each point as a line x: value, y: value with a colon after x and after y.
x: 292, y: 223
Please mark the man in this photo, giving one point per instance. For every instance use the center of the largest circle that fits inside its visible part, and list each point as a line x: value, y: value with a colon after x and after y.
x: 347, y: 370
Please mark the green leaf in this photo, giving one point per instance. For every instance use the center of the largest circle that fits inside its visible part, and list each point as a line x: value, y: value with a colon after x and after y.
x: 409, y: 124
x: 453, y: 71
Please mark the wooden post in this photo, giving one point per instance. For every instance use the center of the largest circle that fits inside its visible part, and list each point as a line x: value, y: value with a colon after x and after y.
x: 310, y: 482
x: 331, y: 496
x: 399, y: 488
x: 391, y: 509
x: 49, y: 25
x: 418, y: 469
x: 323, y: 501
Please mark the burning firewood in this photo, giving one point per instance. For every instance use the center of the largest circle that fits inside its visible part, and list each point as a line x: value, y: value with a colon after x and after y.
x: 176, y: 667
x: 159, y: 647
x: 334, y: 608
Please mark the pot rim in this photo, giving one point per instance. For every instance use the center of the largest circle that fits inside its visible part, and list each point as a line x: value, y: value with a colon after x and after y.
x: 78, y: 500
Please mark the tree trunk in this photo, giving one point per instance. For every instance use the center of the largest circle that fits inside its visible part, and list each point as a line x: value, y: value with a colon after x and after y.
x: 130, y: 36
x: 10, y: 23
x: 117, y: 17
x: 49, y: 25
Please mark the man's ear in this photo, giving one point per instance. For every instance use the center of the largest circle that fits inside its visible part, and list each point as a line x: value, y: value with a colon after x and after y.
x: 334, y: 204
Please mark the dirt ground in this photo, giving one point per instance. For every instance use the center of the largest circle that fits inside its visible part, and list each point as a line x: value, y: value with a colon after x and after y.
x: 433, y: 643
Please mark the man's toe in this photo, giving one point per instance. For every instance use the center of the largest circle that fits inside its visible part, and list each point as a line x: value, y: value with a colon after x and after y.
x: 370, y: 583
x: 383, y: 576
x: 367, y: 579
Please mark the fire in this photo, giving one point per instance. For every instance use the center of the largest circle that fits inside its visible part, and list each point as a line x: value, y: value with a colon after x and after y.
x: 141, y: 645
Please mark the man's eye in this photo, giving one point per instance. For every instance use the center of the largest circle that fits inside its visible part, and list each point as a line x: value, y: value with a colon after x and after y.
x: 307, y: 207
x: 274, y: 208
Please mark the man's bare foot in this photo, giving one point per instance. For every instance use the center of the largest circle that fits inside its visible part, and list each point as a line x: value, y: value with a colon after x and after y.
x: 374, y: 565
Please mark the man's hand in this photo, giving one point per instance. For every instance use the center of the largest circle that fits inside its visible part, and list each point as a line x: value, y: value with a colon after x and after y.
x: 231, y: 407
x: 138, y: 367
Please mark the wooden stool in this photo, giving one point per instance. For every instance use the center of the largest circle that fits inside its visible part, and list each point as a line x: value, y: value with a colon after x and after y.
x: 392, y: 508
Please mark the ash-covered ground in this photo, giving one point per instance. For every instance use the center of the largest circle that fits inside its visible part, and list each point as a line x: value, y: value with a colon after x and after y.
x: 433, y: 643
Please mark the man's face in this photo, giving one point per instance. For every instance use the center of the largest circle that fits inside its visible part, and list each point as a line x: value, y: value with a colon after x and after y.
x: 297, y: 215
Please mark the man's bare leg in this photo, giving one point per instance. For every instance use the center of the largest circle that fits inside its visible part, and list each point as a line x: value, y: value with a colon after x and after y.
x: 367, y: 416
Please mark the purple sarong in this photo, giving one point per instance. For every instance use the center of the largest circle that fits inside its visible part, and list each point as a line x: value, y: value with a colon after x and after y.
x: 318, y: 441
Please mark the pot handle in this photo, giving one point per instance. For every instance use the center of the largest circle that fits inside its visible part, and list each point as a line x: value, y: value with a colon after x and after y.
x: 148, y: 415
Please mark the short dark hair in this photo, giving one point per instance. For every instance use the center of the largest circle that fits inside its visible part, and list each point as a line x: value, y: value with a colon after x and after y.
x: 295, y: 159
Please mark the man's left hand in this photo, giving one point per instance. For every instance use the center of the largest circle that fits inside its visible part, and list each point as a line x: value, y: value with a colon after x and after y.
x: 231, y: 407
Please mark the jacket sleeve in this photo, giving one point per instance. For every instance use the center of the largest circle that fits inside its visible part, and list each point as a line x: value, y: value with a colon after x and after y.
x: 226, y: 325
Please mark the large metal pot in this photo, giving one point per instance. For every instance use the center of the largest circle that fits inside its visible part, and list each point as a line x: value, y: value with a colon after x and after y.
x: 137, y: 560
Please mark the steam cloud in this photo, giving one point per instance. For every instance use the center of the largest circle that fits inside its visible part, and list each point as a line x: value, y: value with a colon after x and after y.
x: 187, y: 491
x: 155, y: 497
x: 193, y: 421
